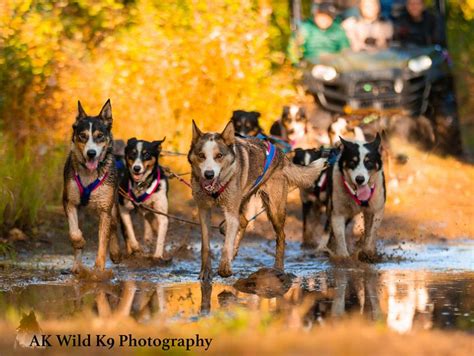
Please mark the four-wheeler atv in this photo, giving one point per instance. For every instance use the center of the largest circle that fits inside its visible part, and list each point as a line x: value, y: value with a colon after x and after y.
x: 416, y: 81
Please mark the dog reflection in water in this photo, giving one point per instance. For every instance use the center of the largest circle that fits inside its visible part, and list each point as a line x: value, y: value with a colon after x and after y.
x: 302, y: 303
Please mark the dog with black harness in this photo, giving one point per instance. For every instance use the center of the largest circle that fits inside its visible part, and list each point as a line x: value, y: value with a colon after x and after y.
x: 144, y: 183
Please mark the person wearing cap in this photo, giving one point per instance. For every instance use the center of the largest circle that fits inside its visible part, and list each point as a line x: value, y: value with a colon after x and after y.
x: 318, y: 35
x: 368, y: 31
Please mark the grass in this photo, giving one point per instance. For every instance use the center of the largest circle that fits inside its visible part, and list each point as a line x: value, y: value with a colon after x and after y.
x: 30, y: 179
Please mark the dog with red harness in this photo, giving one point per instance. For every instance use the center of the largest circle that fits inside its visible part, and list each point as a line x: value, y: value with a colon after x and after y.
x: 353, y: 183
x: 144, y: 183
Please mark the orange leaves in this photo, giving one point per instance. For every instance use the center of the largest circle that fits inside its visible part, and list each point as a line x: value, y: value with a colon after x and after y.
x: 162, y: 63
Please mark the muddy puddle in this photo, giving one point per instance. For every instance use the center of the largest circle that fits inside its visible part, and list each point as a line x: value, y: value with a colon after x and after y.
x: 419, y: 286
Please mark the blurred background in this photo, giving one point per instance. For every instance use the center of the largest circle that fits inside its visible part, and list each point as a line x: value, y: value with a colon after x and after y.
x: 162, y: 64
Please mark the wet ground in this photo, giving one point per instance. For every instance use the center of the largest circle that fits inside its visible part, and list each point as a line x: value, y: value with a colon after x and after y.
x: 418, y: 286
x: 424, y: 282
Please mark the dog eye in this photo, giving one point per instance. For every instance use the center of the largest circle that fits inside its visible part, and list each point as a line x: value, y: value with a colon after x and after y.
x: 100, y: 136
x: 219, y: 156
x: 202, y: 156
x: 369, y: 164
x: 83, y: 137
x: 146, y: 155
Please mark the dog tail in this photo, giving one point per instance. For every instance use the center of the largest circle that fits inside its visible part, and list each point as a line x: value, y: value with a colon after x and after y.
x: 304, y: 176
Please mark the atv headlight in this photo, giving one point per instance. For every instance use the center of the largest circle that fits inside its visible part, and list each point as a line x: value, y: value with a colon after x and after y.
x: 419, y: 64
x: 323, y: 72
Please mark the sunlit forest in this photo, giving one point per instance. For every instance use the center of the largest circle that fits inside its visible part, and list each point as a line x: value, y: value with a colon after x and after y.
x: 162, y: 63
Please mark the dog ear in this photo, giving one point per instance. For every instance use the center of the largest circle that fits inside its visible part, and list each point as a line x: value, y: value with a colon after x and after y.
x: 345, y: 143
x: 376, y: 142
x: 196, y: 133
x: 130, y: 143
x: 81, y: 113
x: 256, y: 114
x: 157, y: 145
x: 228, y: 135
x: 106, y: 114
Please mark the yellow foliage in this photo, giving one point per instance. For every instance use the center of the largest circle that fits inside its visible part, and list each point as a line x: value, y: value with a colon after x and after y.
x: 161, y: 63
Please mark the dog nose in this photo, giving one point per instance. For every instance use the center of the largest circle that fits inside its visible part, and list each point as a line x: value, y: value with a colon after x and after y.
x: 91, y: 153
x: 209, y: 174
x: 136, y: 169
x: 360, y: 180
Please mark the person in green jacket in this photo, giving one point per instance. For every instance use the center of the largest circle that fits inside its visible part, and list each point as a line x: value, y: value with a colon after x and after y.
x: 321, y: 34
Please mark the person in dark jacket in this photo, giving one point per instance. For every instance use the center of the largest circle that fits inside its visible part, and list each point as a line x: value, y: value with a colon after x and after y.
x: 417, y: 26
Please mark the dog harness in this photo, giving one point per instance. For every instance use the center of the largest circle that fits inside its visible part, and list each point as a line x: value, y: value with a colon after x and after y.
x: 353, y: 194
x: 85, y: 192
x: 270, y: 156
x: 287, y: 147
x: 148, y: 193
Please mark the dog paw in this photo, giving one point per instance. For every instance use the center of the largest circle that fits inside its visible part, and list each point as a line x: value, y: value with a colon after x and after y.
x: 77, y: 268
x: 308, y: 245
x: 224, y: 270
x: 368, y: 256
x: 162, y: 261
x: 116, y: 257
x: 205, y: 274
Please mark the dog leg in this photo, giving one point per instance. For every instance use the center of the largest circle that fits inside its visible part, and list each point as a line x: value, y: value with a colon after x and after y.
x: 206, y: 267
x: 307, y: 231
x: 75, y: 235
x: 105, y: 221
x: 371, y: 225
x: 148, y: 229
x: 130, y: 241
x: 124, y: 306
x: 232, y: 224
x: 338, y: 224
x: 243, y: 226
x: 114, y: 246
x: 162, y: 230
x: 275, y: 205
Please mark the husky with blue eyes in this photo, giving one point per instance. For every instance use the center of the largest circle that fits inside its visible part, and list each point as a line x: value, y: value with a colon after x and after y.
x: 357, y: 185
x: 146, y: 184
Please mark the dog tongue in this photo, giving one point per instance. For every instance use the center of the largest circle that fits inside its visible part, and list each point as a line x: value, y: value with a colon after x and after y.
x: 363, y: 192
x: 92, y: 165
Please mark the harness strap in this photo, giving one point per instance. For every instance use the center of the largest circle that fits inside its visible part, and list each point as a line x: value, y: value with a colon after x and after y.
x: 270, y: 155
x: 353, y: 194
x: 148, y: 193
x: 85, y: 192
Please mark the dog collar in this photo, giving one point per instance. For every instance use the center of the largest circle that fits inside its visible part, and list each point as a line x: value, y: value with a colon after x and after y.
x: 270, y: 155
x: 149, y: 192
x: 353, y: 194
x: 215, y: 194
x: 86, y: 191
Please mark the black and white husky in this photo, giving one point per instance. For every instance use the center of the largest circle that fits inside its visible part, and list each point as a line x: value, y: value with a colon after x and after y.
x: 357, y: 186
x: 353, y: 183
x: 145, y: 183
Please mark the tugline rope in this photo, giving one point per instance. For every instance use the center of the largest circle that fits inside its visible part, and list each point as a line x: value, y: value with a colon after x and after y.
x: 124, y: 194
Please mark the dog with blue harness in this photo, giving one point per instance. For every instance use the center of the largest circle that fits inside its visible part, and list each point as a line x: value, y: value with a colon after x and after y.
x: 226, y: 171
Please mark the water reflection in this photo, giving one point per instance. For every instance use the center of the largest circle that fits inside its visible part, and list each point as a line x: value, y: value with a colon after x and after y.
x: 403, y: 300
